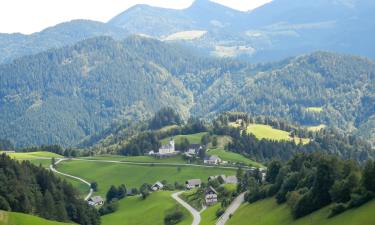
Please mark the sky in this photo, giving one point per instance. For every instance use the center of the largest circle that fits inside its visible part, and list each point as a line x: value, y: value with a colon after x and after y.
x: 29, y: 16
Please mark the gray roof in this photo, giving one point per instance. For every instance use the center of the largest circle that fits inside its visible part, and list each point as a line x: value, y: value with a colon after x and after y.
x: 194, y: 182
x: 213, y: 158
x: 210, y: 189
x: 231, y: 180
x: 96, y: 199
x: 159, y: 184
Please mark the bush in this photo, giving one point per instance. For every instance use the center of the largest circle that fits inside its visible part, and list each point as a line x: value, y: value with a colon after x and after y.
x: 108, y: 208
x: 337, y: 209
x: 360, y: 199
x: 173, y: 217
x: 220, y: 212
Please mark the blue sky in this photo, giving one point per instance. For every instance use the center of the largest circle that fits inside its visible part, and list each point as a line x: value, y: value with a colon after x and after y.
x: 28, y: 16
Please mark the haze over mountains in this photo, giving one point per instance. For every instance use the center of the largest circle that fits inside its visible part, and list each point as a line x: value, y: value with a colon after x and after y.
x: 68, y: 82
x: 280, y: 29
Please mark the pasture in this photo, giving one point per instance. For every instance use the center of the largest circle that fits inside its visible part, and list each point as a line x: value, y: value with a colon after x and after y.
x: 13, y: 218
x: 268, y: 212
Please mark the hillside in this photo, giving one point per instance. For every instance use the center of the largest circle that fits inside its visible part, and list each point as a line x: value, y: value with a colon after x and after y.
x: 63, y: 96
x: 12, y: 218
x: 268, y: 212
x: 13, y: 46
x: 280, y: 29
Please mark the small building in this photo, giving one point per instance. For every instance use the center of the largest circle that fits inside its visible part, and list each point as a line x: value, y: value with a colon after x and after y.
x: 193, y: 183
x: 95, y: 201
x: 212, y: 160
x: 157, y: 186
x: 210, y: 196
x: 231, y: 180
x: 194, y: 149
x: 168, y: 148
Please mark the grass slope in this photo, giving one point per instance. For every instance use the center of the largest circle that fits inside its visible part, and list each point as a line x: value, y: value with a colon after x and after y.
x: 32, y: 155
x: 233, y: 157
x: 267, y: 132
x: 134, y: 210
x: 267, y: 212
x: 314, y: 109
x: 107, y: 174
x: 208, y: 216
x: 193, y: 138
x: 12, y: 218
x: 316, y: 128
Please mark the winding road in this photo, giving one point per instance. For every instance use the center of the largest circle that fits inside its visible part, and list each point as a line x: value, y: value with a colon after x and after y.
x: 194, y: 212
x: 231, y: 209
x: 71, y: 176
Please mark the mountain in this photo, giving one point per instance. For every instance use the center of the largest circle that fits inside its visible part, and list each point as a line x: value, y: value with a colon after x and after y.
x: 64, y: 95
x: 13, y: 46
x: 279, y: 29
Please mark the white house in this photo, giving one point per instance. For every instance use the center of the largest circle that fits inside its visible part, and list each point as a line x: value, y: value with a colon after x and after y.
x: 167, y: 149
x: 95, y: 201
x: 193, y: 183
x: 212, y: 160
x: 157, y: 186
x: 194, y: 149
x: 210, y: 196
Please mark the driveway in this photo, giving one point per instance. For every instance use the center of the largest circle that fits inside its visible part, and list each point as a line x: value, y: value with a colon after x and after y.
x: 194, y: 212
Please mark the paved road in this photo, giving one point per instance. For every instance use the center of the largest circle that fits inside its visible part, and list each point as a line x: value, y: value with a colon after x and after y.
x: 74, y: 177
x: 194, y: 212
x: 155, y: 163
x: 231, y: 209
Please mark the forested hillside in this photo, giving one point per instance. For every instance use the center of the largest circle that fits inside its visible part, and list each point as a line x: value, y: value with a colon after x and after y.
x: 63, y: 96
x: 34, y: 190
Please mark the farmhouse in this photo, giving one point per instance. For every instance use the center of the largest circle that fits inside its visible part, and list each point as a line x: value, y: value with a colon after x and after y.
x: 193, y: 183
x: 167, y: 149
x: 194, y: 149
x: 210, y: 196
x: 212, y: 160
x: 157, y: 186
x: 95, y: 201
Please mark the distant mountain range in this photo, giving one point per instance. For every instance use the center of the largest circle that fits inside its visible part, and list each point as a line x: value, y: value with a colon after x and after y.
x: 64, y: 95
x: 282, y: 28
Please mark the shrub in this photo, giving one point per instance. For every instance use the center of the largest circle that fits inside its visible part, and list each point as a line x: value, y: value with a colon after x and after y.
x: 173, y: 217
x: 108, y: 208
x: 337, y: 209
x: 220, y: 212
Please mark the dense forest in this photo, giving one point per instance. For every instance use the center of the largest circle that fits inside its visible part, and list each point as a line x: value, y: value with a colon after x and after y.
x: 64, y: 96
x: 309, y: 182
x: 34, y: 190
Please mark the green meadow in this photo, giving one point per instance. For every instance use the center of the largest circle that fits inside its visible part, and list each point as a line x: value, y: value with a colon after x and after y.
x: 316, y: 128
x: 232, y: 157
x: 267, y: 132
x: 32, y: 155
x: 193, y: 138
x: 147, y: 159
x: 133, y: 210
x: 208, y: 216
x: 268, y: 212
x: 314, y: 109
x: 12, y: 218
x: 107, y: 174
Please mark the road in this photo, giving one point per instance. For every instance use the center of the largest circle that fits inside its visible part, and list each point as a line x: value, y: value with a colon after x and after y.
x: 156, y: 163
x: 194, y: 212
x: 231, y: 209
x: 74, y: 177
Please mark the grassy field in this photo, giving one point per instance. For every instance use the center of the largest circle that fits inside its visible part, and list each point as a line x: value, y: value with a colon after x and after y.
x: 267, y: 132
x: 193, y: 138
x: 314, y: 109
x: 267, y: 212
x: 316, y: 128
x: 134, y: 210
x: 107, y: 174
x: 33, y: 155
x: 176, y: 159
x: 208, y: 216
x: 233, y: 157
x: 12, y: 218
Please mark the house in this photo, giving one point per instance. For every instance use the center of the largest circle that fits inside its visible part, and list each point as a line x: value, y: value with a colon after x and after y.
x: 157, y: 186
x: 231, y: 180
x: 194, y: 149
x: 167, y: 149
x: 193, y: 183
x: 212, y: 160
x: 95, y: 201
x: 210, y: 196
